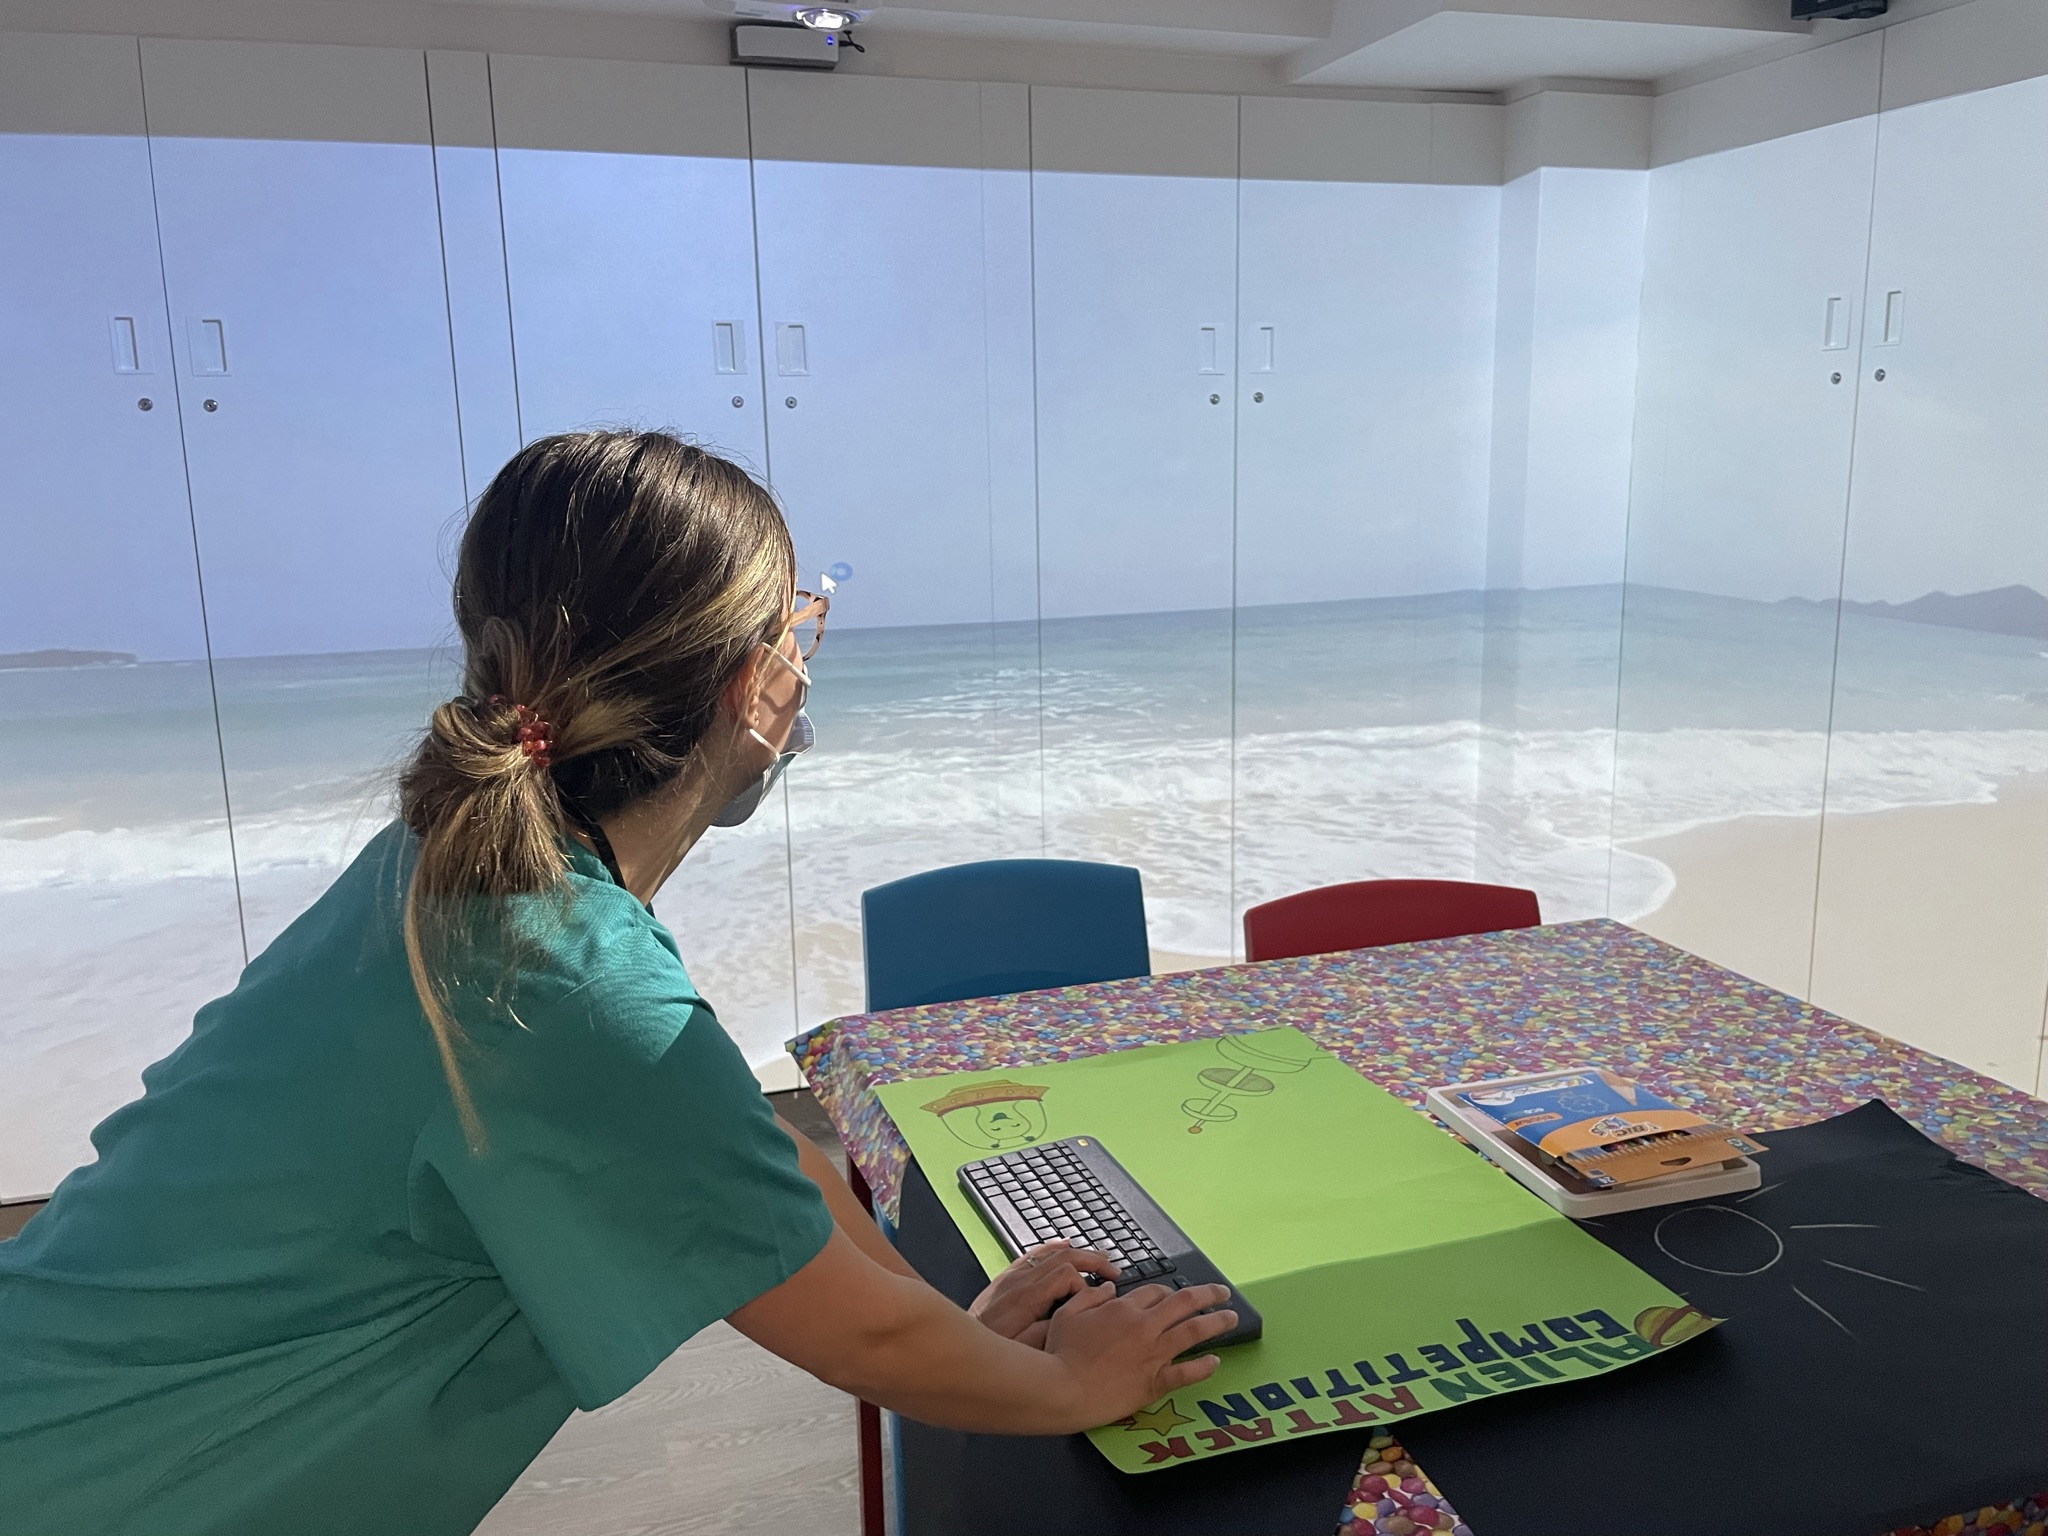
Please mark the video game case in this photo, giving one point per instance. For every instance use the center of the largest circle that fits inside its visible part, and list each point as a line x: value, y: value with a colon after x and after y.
x: 1607, y: 1129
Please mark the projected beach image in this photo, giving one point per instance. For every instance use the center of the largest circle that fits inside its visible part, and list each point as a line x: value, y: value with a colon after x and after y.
x: 119, y: 885
x: 1102, y: 589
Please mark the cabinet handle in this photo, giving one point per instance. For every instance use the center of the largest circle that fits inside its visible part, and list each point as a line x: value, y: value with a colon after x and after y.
x: 209, y: 347
x: 792, y: 350
x: 1894, y: 319
x: 127, y: 345
x: 729, y: 346
x: 1835, y: 333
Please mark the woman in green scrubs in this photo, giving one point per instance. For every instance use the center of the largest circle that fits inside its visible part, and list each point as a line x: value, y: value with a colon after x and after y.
x: 464, y: 1149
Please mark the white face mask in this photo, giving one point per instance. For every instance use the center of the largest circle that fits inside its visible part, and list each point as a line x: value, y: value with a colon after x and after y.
x: 801, y: 735
x: 748, y: 800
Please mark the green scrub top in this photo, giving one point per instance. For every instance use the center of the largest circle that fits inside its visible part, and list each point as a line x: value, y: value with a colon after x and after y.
x: 289, y: 1298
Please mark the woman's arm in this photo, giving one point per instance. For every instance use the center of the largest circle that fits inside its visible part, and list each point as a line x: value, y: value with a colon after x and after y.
x: 847, y: 1212
x: 1016, y: 1302
x: 893, y: 1340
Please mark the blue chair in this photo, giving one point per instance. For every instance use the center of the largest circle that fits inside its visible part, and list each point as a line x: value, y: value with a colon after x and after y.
x: 1005, y: 925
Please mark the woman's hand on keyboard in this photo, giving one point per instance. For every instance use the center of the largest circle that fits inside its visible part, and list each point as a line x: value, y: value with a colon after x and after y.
x: 1019, y: 1301
x: 1122, y: 1349
x: 891, y: 1339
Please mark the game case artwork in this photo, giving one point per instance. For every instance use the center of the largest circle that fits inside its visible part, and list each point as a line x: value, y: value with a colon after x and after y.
x: 1603, y: 1127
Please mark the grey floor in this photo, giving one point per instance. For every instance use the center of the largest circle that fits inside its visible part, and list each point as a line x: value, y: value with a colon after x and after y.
x: 723, y: 1438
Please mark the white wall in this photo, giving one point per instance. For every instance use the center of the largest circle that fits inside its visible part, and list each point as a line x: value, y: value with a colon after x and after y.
x: 1932, y: 930
x: 1835, y: 798
x: 1564, y: 405
x: 1356, y: 614
x: 108, y: 942
x: 1740, y: 493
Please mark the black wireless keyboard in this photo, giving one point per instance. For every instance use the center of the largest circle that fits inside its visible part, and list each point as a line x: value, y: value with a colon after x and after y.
x: 1074, y: 1191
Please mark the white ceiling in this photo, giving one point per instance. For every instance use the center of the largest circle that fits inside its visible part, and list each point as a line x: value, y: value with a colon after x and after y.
x: 1461, y: 45
x: 1488, y: 51
x: 1257, y: 29
x: 1234, y: 42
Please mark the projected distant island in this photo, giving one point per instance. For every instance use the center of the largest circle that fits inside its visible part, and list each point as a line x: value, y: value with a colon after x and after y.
x: 2013, y: 610
x: 18, y: 661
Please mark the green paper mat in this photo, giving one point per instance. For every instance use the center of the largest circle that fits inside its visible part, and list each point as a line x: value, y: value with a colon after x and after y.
x: 1398, y: 1273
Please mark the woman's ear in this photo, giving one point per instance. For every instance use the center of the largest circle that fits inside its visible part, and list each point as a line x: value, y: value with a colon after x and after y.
x: 736, y: 699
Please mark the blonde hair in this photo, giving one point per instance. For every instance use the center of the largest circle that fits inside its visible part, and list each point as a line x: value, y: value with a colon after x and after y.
x: 610, y: 586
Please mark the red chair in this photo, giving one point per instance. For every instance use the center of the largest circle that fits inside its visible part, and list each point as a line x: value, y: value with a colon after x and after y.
x: 1368, y: 913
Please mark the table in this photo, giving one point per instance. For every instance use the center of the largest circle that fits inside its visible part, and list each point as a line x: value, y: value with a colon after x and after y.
x: 1411, y: 1016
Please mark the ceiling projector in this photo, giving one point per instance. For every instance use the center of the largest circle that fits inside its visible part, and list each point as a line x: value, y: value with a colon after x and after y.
x: 771, y: 34
x: 819, y: 18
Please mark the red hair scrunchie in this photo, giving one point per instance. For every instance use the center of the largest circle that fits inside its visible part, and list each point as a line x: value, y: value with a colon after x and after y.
x: 535, y: 736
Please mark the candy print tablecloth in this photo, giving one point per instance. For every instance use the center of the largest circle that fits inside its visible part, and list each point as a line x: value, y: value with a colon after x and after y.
x: 1415, y: 1015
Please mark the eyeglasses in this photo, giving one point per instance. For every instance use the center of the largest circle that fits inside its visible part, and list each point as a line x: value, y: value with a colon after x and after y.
x: 807, y: 623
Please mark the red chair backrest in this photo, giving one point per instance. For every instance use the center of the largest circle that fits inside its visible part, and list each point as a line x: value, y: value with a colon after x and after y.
x: 1367, y: 913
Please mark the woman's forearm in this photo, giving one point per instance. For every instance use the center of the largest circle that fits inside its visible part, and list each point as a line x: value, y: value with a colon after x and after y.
x: 891, y: 1339
x: 939, y: 1365
x: 848, y: 1213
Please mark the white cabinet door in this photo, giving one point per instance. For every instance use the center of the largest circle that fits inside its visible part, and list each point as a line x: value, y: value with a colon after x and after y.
x: 1932, y: 924
x: 629, y: 247
x: 893, y: 225
x: 117, y: 895
x: 1751, y: 293
x: 1134, y: 240
x: 473, y: 260
x: 1364, y: 397
x: 295, y: 187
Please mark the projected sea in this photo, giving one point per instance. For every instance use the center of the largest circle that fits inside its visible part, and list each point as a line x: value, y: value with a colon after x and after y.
x: 1230, y: 759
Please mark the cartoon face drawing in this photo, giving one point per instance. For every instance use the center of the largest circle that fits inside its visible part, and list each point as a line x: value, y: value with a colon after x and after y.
x: 995, y: 1116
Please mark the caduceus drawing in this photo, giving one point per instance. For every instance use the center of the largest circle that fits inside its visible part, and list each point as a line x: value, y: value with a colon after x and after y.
x: 1251, y: 1058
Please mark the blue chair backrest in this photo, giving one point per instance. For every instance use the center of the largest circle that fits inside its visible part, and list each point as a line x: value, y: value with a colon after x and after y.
x: 1006, y: 925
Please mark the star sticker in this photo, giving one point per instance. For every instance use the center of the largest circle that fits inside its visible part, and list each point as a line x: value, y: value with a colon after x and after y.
x: 1156, y: 1421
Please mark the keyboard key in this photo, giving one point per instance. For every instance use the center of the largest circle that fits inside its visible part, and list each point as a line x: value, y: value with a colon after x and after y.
x: 1008, y: 1216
